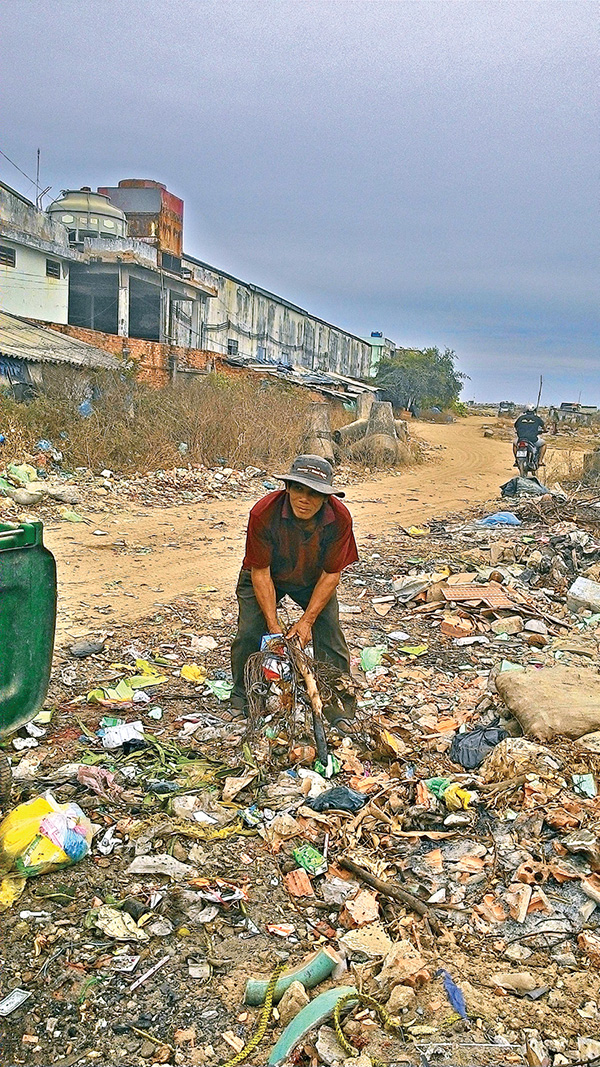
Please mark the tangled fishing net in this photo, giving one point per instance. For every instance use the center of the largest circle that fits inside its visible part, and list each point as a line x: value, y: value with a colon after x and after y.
x: 287, y: 686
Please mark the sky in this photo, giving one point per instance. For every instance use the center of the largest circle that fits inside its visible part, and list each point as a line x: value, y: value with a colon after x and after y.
x: 425, y: 168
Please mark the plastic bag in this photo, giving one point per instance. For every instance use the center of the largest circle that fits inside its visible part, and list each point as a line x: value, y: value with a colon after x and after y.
x: 471, y: 748
x: 370, y: 657
x: 42, y: 836
x: 340, y: 798
x: 501, y: 518
x: 530, y: 486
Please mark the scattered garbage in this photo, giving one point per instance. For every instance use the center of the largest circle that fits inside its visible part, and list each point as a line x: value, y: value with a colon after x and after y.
x: 13, y: 1001
x: 500, y: 518
x: 518, y: 486
x: 340, y: 798
x: 584, y: 595
x: 87, y: 647
x: 442, y: 857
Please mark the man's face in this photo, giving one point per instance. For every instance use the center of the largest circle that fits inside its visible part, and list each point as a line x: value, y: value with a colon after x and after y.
x: 305, y: 502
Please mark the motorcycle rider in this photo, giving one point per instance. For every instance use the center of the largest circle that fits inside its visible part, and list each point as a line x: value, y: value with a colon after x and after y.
x: 528, y: 427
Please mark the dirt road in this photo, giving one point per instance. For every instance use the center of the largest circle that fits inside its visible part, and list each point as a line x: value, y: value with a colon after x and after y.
x: 170, y: 551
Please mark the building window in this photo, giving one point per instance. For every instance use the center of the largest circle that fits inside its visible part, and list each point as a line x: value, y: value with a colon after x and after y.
x: 232, y: 347
x: 171, y: 263
x: 52, y: 268
x: 8, y: 256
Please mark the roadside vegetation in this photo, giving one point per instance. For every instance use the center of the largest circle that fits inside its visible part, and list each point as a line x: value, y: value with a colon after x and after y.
x: 419, y: 380
x: 237, y: 421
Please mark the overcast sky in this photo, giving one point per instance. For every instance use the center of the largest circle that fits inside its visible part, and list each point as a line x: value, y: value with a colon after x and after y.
x: 425, y: 168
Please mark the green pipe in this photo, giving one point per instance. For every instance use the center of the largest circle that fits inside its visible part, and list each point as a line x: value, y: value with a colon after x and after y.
x: 315, y: 1013
x: 314, y: 970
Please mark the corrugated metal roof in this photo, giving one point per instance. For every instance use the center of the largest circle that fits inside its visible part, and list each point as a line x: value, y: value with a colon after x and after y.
x: 24, y: 340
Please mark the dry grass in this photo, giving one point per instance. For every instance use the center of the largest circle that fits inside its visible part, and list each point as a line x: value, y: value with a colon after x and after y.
x: 241, y: 421
x: 564, y: 466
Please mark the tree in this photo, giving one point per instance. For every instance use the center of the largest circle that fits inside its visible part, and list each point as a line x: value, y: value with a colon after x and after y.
x: 415, y: 378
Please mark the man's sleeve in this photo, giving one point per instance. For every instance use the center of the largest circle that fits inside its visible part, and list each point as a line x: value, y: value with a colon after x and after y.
x: 342, y: 550
x: 259, y: 549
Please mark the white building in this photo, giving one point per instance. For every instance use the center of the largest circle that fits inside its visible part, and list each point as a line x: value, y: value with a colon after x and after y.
x: 112, y: 261
x: 246, y: 320
x: 35, y: 259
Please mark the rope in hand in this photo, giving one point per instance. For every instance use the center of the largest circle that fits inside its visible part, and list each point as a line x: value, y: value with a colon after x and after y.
x: 263, y: 1022
x: 367, y: 1001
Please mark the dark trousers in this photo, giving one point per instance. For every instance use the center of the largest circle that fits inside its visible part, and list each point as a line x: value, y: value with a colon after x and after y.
x: 329, y: 642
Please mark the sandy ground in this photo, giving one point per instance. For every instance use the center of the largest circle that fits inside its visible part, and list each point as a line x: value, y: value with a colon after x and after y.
x: 174, y: 550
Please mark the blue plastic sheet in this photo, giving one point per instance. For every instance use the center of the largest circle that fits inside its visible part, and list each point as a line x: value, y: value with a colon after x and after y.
x: 501, y: 518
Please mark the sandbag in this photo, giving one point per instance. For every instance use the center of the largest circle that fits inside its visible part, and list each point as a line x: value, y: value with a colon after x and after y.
x: 552, y: 701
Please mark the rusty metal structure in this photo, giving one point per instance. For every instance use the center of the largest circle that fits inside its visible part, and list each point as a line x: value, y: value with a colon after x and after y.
x: 154, y: 215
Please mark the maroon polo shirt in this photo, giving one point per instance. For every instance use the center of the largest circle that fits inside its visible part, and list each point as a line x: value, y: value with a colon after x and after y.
x: 298, y: 556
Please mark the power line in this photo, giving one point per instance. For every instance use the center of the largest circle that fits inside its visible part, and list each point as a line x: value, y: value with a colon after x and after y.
x: 13, y: 164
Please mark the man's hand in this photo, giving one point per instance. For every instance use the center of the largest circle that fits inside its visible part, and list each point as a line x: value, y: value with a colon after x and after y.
x: 301, y: 630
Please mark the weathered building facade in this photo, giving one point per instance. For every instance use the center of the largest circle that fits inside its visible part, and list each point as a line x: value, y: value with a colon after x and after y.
x: 120, y: 271
x: 35, y: 260
x: 249, y: 321
x: 132, y: 286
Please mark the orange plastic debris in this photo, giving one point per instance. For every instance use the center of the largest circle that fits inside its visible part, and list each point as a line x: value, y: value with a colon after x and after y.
x: 298, y: 884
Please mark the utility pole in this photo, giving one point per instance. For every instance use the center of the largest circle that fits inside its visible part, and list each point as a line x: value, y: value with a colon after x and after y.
x: 37, y: 180
x: 539, y: 393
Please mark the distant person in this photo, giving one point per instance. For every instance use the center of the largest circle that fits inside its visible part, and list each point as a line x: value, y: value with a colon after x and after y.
x: 299, y: 541
x: 528, y: 427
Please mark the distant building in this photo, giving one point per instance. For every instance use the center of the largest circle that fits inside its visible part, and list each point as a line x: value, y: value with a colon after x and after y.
x: 243, y: 319
x: 111, y: 263
x: 381, y: 348
x: 35, y: 259
x: 132, y: 286
x: 247, y: 320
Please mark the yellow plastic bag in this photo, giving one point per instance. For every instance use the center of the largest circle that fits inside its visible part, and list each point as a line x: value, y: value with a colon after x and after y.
x: 42, y: 836
x: 11, y: 887
x: 192, y: 672
x: 456, y: 798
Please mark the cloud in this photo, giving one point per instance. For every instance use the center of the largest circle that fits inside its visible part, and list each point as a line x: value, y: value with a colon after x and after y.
x: 428, y: 169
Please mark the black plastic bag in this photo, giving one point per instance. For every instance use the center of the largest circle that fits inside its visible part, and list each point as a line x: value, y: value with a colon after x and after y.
x: 471, y: 748
x: 529, y: 486
x: 341, y: 797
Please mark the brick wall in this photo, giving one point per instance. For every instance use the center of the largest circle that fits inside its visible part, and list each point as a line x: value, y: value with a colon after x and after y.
x: 153, y: 358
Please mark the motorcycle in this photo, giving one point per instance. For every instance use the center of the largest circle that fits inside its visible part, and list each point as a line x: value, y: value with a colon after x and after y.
x: 527, y: 456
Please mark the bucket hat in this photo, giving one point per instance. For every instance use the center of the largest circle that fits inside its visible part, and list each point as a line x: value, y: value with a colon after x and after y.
x: 313, y: 471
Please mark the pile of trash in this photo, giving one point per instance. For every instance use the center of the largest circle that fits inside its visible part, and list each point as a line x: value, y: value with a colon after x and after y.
x: 29, y: 485
x: 180, y: 889
x: 42, y: 484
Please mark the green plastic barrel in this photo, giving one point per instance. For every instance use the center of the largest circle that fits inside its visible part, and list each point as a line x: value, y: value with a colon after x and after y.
x: 27, y: 622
